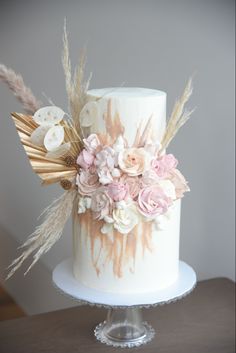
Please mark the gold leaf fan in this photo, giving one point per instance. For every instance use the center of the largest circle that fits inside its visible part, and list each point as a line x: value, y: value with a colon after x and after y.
x: 50, y: 170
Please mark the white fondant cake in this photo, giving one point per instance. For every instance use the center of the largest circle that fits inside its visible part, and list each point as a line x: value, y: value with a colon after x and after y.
x: 146, y: 258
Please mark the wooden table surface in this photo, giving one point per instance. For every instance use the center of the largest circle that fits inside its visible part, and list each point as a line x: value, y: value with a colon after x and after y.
x: 203, y: 322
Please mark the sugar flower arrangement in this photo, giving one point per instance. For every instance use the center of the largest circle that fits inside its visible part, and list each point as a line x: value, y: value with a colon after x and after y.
x: 120, y: 185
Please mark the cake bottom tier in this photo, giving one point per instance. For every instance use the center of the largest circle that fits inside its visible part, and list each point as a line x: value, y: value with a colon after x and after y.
x: 145, y: 260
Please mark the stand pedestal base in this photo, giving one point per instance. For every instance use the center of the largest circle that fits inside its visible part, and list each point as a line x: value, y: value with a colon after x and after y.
x: 124, y: 328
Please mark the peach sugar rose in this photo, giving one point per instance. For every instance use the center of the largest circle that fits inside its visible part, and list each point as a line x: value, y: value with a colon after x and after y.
x: 134, y: 161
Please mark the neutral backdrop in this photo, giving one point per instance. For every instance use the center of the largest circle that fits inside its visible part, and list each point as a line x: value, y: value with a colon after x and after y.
x: 155, y: 44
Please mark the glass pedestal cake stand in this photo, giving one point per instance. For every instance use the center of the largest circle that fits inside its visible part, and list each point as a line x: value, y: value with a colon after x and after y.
x: 123, y: 326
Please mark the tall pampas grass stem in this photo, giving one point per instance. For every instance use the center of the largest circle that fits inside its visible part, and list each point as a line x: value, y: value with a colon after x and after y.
x: 179, y: 116
x: 16, y: 84
x: 48, y: 233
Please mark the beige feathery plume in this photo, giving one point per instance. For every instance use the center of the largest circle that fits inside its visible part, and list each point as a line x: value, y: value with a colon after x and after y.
x: 48, y: 233
x: 16, y: 84
x: 76, y: 86
x: 178, y: 117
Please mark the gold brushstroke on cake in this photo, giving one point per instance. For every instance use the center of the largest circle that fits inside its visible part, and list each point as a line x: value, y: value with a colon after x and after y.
x: 113, y: 126
x: 116, y: 248
x: 50, y: 170
x: 144, y: 133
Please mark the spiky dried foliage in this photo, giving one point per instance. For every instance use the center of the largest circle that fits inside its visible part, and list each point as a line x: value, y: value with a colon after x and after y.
x: 76, y: 85
x: 16, y: 84
x: 48, y: 233
x: 178, y: 117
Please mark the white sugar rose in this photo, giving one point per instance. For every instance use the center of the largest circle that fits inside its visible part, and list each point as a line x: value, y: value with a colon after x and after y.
x: 125, y: 219
x: 134, y: 161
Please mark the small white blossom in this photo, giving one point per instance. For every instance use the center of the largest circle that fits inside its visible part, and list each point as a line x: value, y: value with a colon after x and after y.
x: 84, y: 204
x: 161, y: 222
x: 106, y: 161
x: 87, y: 202
x: 105, y: 176
x: 107, y: 228
x: 116, y: 173
x: 108, y: 219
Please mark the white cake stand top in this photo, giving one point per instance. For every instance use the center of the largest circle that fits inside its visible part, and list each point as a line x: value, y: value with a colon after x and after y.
x: 64, y: 281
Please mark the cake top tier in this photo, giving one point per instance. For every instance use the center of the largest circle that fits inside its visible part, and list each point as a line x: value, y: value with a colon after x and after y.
x: 125, y: 92
x: 128, y: 111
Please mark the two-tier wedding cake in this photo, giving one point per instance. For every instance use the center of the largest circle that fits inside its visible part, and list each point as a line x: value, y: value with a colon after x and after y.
x: 126, y: 228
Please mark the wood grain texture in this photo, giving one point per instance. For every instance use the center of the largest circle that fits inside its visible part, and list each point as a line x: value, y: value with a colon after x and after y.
x: 203, y: 322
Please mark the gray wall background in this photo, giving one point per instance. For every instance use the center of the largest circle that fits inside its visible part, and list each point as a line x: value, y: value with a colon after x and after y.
x: 155, y: 44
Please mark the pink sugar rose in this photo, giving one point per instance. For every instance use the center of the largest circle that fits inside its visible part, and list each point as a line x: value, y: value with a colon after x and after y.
x: 179, y: 182
x: 101, y: 203
x: 92, y: 143
x: 164, y: 165
x: 133, y: 184
x: 152, y: 201
x: 117, y: 191
x: 85, y: 159
x: 159, y: 168
x: 87, y: 182
x: 169, y: 161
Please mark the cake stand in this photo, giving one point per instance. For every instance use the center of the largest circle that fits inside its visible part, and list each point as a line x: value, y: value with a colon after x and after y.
x: 123, y: 326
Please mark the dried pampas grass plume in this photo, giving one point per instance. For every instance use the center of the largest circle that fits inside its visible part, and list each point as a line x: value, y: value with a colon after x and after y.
x: 178, y: 117
x: 48, y: 233
x: 16, y: 84
x: 76, y: 85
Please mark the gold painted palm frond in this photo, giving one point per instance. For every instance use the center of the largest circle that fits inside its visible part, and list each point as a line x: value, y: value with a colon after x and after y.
x: 50, y: 170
